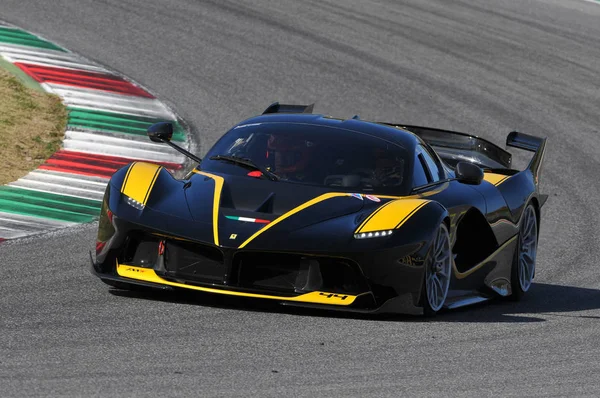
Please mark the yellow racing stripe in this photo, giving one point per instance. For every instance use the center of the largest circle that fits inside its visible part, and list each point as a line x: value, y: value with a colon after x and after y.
x: 216, y: 201
x: 494, y: 178
x: 148, y: 275
x: 373, y: 215
x: 295, y: 210
x: 139, y: 180
x: 391, y: 215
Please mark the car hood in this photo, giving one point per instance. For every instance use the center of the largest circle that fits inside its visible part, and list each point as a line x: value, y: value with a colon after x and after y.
x: 240, y: 208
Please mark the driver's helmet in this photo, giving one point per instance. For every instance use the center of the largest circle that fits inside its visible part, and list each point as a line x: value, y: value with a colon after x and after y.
x: 288, y: 154
x: 388, y: 168
x: 383, y: 159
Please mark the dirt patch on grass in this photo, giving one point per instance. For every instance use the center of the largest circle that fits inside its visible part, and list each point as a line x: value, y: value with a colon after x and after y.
x: 32, y: 126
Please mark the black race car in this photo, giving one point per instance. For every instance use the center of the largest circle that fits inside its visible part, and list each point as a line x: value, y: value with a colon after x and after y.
x: 315, y: 211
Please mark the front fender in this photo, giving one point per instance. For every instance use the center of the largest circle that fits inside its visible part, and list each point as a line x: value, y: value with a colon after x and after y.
x: 152, y: 187
x: 160, y: 205
x: 397, y: 268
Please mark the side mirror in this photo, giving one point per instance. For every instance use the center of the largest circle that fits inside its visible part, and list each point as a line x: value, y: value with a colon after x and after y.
x: 160, y: 132
x: 468, y: 173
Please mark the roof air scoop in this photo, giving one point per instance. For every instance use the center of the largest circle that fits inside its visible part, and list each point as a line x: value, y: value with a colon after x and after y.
x: 276, y: 107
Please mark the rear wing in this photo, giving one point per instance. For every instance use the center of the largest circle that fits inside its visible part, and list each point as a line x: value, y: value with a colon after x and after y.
x: 532, y: 144
x: 454, y: 147
x: 276, y: 107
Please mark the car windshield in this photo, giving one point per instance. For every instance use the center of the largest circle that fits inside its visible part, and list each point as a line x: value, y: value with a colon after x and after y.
x: 342, y: 159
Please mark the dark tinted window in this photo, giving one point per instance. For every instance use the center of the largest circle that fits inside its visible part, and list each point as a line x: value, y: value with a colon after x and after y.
x: 315, y: 155
x: 419, y: 174
x: 435, y: 168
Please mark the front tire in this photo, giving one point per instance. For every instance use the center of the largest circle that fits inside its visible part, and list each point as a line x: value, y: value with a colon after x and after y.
x: 438, y: 269
x: 523, y: 267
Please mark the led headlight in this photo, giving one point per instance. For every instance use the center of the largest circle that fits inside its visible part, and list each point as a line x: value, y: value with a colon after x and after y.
x: 374, y: 234
x: 133, y: 203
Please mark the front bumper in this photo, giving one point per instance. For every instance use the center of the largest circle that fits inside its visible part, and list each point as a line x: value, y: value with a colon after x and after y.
x: 127, y: 276
x: 364, y: 282
x: 150, y: 275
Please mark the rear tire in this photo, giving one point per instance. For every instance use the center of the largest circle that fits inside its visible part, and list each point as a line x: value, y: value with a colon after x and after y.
x: 438, y: 269
x: 523, y: 267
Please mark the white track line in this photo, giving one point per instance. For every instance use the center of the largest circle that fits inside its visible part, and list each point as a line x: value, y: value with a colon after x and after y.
x: 17, y: 225
x: 52, y: 62
x: 100, y: 181
x: 110, y: 102
x: 113, y: 146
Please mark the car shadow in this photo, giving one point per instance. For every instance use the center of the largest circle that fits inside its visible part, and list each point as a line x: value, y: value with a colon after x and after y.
x: 233, y: 303
x: 542, y: 302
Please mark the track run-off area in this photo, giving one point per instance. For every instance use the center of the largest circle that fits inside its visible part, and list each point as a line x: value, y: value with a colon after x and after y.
x: 475, y: 66
x: 106, y: 129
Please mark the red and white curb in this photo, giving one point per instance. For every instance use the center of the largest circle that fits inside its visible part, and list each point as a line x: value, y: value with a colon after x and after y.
x: 107, y: 117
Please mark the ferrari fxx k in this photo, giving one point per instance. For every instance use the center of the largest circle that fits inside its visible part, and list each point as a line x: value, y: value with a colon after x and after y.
x: 315, y: 211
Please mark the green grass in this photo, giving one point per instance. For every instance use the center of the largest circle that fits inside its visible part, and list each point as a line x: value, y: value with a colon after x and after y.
x: 32, y: 126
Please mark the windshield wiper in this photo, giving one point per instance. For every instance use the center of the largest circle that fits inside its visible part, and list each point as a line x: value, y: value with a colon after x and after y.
x: 245, y: 162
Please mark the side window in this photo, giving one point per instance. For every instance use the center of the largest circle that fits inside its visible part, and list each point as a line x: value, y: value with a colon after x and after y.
x: 419, y: 175
x: 435, y: 169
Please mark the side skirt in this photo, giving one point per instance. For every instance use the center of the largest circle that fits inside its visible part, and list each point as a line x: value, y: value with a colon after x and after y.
x: 463, y: 301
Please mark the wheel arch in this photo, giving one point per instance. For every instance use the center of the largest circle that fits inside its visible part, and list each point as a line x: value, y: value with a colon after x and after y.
x: 474, y: 240
x: 447, y: 221
x: 536, y: 206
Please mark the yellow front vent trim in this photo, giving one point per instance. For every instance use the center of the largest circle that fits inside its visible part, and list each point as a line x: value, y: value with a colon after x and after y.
x: 216, y: 201
x: 148, y: 275
x: 139, y: 180
x: 391, y: 215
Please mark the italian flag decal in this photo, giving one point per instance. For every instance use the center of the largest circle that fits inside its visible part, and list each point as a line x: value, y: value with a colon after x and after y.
x: 106, y: 129
x: 246, y: 219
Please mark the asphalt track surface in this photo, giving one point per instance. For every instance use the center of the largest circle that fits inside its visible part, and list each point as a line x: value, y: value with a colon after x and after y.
x: 476, y: 66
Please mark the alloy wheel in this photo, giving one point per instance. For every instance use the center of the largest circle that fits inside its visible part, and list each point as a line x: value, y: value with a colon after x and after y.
x: 527, y: 248
x: 438, y: 271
